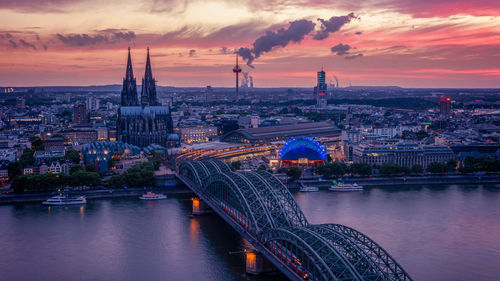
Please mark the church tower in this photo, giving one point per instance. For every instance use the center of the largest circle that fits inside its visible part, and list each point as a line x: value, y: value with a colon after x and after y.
x: 148, y: 94
x: 129, y: 90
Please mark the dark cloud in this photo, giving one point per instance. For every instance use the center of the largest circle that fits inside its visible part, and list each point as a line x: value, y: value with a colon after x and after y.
x: 81, y: 39
x: 126, y: 36
x: 358, y: 33
x: 5, y: 36
x: 105, y: 37
x: 192, y: 52
x: 295, y: 33
x: 332, y: 25
x: 13, y: 44
x: 341, y: 49
x: 26, y: 44
x: 351, y: 57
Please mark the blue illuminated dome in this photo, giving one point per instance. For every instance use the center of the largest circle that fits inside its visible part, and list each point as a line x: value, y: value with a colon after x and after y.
x: 303, y: 147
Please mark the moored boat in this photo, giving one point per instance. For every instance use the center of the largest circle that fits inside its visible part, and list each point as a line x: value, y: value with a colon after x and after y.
x: 345, y: 187
x: 152, y: 196
x: 64, y: 199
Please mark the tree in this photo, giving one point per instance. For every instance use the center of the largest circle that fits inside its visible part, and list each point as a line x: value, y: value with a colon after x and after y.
x: 140, y: 175
x: 27, y: 157
x: 75, y: 168
x: 82, y: 177
x: 422, y: 134
x: 116, y: 181
x: 235, y: 165
x: 14, y: 169
x: 452, y: 164
x: 36, y: 143
x: 262, y: 168
x: 361, y: 169
x: 294, y: 173
x: 437, y: 167
x: 332, y: 169
x: 417, y: 169
x: 388, y: 169
x: 72, y: 155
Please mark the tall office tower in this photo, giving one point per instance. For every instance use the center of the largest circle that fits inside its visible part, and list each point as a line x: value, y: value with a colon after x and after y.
x: 237, y: 71
x: 148, y: 94
x: 445, y: 106
x: 80, y: 114
x: 320, y: 89
x: 147, y: 123
x: 129, y: 90
x: 208, y: 94
x: 92, y: 103
x: 20, y: 103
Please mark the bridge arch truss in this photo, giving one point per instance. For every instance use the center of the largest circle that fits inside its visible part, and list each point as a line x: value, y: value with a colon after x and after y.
x: 260, y: 204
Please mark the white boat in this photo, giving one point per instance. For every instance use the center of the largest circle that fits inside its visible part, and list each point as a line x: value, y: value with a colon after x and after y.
x: 309, y: 188
x: 346, y: 187
x: 64, y: 199
x: 152, y: 196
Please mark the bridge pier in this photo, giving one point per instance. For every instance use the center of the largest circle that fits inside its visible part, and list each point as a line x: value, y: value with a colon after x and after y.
x: 257, y: 264
x: 200, y: 207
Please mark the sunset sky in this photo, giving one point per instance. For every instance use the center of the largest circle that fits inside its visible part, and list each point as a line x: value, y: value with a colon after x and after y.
x: 408, y: 43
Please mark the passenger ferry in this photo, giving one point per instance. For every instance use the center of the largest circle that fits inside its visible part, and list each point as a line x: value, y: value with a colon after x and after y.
x: 64, y: 199
x: 153, y: 196
x: 309, y: 188
x: 345, y: 187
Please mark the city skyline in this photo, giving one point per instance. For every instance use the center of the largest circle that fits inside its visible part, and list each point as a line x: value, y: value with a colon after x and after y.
x: 423, y: 44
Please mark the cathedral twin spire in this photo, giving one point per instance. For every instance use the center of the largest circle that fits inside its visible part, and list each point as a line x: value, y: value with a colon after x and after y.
x: 129, y: 91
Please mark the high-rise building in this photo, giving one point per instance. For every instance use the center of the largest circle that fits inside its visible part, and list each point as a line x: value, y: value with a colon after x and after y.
x: 320, y: 89
x: 147, y: 123
x: 80, y: 115
x: 92, y: 103
x: 445, y: 106
x: 209, y: 93
x: 20, y: 103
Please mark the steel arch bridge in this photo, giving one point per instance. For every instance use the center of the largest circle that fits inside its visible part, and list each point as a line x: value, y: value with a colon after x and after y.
x: 262, y: 210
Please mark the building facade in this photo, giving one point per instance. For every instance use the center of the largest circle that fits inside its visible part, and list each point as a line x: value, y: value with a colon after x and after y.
x: 402, y: 154
x: 145, y: 123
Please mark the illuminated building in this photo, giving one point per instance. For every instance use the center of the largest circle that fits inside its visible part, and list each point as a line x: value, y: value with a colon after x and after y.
x: 100, y: 154
x: 283, y: 132
x: 320, y: 89
x: 80, y: 114
x: 402, y: 154
x: 445, y: 106
x: 304, y: 152
x: 80, y: 136
x: 197, y: 134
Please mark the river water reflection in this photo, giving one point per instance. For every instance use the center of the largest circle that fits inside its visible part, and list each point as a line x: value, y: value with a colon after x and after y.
x: 436, y: 233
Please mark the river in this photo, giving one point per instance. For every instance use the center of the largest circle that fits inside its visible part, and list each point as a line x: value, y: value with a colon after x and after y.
x: 434, y: 232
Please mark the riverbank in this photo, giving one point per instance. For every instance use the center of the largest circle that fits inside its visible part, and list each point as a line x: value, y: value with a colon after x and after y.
x: 427, y: 180
x: 93, y: 194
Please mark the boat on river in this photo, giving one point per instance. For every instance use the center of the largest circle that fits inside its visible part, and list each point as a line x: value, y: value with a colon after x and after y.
x: 64, y: 199
x: 153, y: 196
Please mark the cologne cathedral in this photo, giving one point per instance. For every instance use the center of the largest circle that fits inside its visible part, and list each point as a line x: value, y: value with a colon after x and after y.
x: 147, y: 122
